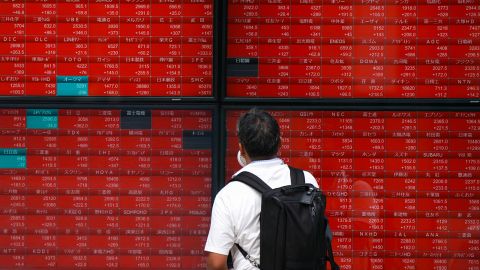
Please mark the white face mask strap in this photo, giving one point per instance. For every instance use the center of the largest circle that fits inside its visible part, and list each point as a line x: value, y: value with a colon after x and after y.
x: 241, y: 160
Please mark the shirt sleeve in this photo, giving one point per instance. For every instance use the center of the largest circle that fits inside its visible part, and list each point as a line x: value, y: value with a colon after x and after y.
x: 221, y: 236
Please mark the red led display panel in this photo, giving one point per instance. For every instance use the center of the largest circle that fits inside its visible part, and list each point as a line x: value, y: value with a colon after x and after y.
x: 159, y: 48
x: 353, y: 49
x: 104, y: 188
x: 403, y: 187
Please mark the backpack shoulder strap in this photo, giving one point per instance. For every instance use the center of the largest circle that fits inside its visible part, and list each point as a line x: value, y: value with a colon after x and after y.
x: 256, y: 183
x: 296, y: 175
x: 328, y: 239
x: 330, y: 258
x: 253, y: 181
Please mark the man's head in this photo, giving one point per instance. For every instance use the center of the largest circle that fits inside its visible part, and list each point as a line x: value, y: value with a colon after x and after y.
x: 259, y: 134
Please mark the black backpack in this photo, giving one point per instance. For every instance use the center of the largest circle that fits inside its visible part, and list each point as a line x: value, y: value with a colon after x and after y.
x: 294, y: 232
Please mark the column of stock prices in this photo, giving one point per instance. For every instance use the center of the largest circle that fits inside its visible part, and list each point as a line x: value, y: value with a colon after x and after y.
x: 104, y: 188
x: 403, y: 187
x: 353, y: 48
x: 133, y: 48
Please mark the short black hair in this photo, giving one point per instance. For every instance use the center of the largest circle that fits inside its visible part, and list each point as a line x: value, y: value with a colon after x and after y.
x: 259, y: 133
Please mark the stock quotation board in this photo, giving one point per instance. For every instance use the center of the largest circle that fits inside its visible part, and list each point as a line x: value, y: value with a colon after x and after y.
x: 403, y: 187
x: 104, y: 188
x: 159, y: 48
x: 402, y: 49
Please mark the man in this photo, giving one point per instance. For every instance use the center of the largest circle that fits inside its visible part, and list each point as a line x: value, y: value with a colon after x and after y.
x: 236, y: 209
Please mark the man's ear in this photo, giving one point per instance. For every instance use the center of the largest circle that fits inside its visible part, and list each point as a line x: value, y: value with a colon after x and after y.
x: 242, y: 149
x: 244, y: 153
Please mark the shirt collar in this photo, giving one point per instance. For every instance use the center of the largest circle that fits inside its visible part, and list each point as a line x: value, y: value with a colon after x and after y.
x: 260, y: 163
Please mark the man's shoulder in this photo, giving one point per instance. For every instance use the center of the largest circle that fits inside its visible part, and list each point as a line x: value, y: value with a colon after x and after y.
x: 235, y: 198
x: 233, y: 189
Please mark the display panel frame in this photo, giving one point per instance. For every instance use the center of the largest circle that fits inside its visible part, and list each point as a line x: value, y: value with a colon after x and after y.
x: 129, y: 106
x: 360, y: 257
x: 349, y: 102
x: 217, y: 58
x: 229, y: 100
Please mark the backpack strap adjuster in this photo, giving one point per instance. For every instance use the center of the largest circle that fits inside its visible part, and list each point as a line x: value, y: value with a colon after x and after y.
x: 252, y: 261
x: 247, y: 256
